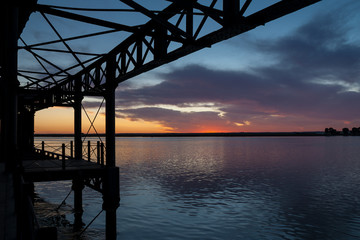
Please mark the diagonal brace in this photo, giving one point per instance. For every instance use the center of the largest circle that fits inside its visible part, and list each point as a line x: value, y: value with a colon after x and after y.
x: 156, y: 18
x: 86, y: 19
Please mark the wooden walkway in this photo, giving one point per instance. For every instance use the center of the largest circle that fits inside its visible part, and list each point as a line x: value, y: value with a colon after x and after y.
x: 39, y: 168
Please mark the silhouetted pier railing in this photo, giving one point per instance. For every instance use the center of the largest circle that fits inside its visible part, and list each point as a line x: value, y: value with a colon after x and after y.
x: 91, y: 152
x: 56, y: 161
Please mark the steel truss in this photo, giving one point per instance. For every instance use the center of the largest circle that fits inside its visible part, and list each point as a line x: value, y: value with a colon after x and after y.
x: 170, y: 34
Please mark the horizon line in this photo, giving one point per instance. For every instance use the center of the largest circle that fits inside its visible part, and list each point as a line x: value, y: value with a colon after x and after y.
x: 292, y: 133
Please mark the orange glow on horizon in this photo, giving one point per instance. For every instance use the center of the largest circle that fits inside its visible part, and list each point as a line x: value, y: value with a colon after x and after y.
x: 60, y: 120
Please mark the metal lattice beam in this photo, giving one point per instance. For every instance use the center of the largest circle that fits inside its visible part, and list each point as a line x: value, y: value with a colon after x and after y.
x: 152, y: 44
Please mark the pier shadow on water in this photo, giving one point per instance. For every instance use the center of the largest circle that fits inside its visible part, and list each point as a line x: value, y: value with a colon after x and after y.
x: 51, y: 213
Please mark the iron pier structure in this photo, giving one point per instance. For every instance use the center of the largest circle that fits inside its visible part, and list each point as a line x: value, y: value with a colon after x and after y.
x: 170, y: 30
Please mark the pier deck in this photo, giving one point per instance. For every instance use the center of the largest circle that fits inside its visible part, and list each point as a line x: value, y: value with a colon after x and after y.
x: 38, y: 168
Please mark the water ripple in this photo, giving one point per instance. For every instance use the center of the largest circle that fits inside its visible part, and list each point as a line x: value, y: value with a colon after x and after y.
x: 234, y: 188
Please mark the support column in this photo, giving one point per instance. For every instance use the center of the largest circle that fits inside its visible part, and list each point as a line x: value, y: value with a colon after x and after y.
x: 111, y: 200
x: 8, y: 85
x: 78, y: 186
x: 31, y: 129
x: 111, y: 180
x: 110, y: 113
x: 78, y: 183
x: 77, y: 124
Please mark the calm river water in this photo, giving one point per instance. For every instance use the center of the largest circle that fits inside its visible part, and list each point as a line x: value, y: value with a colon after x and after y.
x: 226, y: 188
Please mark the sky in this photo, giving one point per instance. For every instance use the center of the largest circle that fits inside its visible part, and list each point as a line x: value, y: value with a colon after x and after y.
x: 298, y: 73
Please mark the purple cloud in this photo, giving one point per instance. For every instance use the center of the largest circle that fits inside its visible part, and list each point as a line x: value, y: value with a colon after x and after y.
x: 177, y: 121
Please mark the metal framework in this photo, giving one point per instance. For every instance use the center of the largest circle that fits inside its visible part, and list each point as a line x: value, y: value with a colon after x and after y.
x: 176, y: 31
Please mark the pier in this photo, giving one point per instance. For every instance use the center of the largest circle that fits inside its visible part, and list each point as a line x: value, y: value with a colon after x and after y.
x: 171, y: 33
x: 42, y: 165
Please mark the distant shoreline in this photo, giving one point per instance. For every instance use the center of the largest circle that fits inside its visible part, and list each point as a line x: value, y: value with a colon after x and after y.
x: 235, y: 134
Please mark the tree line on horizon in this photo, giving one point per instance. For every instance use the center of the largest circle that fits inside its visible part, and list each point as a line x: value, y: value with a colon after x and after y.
x: 355, y: 131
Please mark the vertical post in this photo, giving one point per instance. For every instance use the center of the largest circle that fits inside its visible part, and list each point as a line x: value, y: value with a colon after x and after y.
x: 110, y: 111
x: 42, y: 146
x: 89, y: 151
x: 31, y: 128
x: 78, y: 186
x: 8, y: 85
x: 111, y: 200
x: 77, y: 130
x: 78, y: 183
x: 139, y: 52
x: 123, y: 62
x: 111, y: 179
x: 72, y: 149
x: 63, y: 156
x: 98, y: 152
x: 102, y: 154
x: 77, y: 120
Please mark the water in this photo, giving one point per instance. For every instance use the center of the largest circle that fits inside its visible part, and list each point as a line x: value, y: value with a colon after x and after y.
x: 230, y: 188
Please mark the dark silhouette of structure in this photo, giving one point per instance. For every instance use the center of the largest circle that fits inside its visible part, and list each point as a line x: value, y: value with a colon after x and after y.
x: 171, y: 33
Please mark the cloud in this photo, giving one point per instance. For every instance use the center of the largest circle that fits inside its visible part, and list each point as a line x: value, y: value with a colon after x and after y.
x: 320, y: 47
x: 177, y: 121
x: 313, y: 81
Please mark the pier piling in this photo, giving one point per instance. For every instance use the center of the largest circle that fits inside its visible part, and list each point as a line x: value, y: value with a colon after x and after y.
x: 98, y: 152
x: 63, y: 156
x: 78, y: 186
x: 72, y: 149
x: 89, y: 151
x: 111, y: 184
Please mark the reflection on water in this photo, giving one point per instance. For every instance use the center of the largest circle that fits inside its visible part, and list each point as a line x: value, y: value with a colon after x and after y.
x: 233, y: 188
